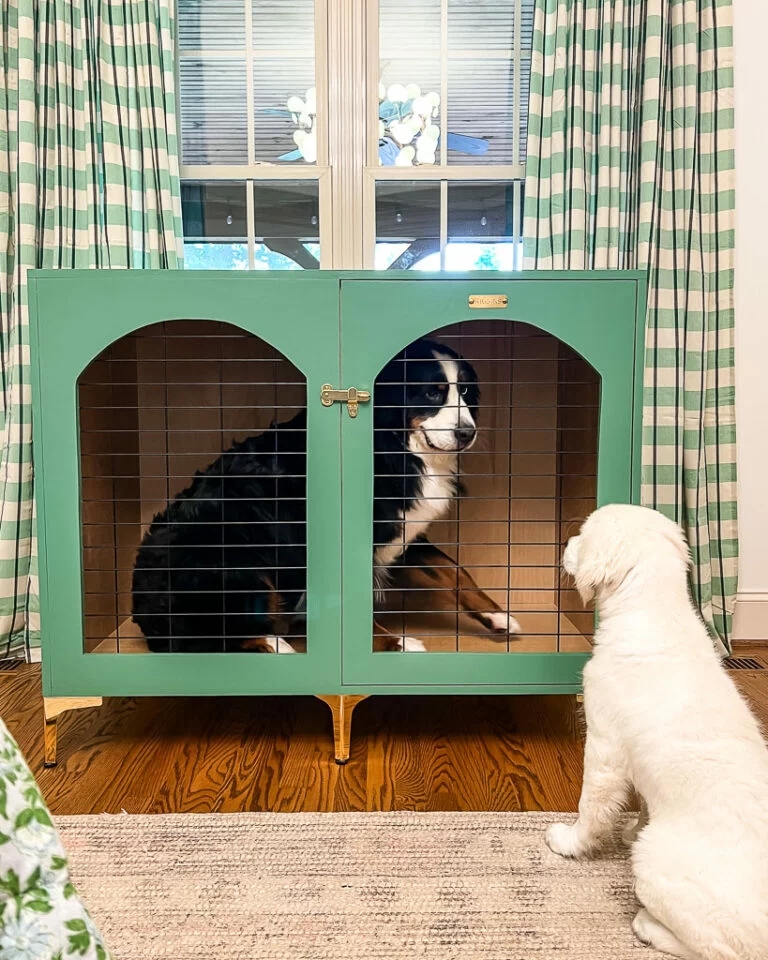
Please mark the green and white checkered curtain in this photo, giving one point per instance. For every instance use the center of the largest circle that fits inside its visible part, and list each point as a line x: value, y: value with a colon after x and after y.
x: 630, y: 165
x: 88, y: 178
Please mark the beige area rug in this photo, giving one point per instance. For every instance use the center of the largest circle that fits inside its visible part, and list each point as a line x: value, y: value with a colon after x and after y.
x: 376, y: 886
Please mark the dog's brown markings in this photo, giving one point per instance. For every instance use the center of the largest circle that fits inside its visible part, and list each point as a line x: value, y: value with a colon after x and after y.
x: 275, y: 606
x: 257, y: 644
x: 451, y: 587
x: 275, y: 602
x: 384, y: 640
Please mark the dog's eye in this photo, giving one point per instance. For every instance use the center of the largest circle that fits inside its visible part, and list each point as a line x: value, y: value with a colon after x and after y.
x: 433, y: 394
x: 463, y: 389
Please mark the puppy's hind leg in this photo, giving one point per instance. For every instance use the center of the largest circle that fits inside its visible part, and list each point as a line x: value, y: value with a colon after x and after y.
x: 648, y: 930
x: 603, y: 794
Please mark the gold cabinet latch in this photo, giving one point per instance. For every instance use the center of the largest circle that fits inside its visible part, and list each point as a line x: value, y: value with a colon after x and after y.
x: 351, y: 396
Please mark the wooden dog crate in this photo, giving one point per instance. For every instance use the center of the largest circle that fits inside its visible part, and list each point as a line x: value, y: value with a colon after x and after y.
x: 144, y: 378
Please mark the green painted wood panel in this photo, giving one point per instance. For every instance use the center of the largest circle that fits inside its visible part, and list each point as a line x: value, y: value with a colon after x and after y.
x: 598, y: 319
x: 338, y: 328
x: 75, y: 315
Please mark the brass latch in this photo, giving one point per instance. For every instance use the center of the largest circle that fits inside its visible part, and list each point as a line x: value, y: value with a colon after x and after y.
x: 352, y: 397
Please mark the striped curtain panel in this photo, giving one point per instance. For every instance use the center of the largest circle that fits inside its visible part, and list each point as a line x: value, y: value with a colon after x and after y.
x: 88, y: 178
x: 630, y: 165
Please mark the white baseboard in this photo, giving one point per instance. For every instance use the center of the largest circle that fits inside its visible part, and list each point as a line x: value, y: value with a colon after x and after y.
x: 750, y: 618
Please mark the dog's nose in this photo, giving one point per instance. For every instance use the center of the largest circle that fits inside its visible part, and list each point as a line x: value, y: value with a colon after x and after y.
x: 464, y: 436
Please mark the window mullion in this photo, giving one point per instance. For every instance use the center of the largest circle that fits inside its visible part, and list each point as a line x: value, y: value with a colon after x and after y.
x: 516, y: 84
x: 250, y: 213
x: 443, y: 83
x: 347, y: 129
x: 249, y: 98
x: 443, y: 222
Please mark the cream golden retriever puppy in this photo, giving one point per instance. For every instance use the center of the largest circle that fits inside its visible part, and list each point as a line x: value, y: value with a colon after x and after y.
x: 664, y: 717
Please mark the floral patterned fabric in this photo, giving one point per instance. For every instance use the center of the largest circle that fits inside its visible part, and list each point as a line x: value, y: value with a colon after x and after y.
x: 41, y: 915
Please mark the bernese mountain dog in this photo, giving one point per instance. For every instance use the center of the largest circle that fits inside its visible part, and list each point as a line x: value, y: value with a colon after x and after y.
x: 222, y: 568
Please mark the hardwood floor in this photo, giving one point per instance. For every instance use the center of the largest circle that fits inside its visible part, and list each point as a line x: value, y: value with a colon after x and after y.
x: 164, y: 755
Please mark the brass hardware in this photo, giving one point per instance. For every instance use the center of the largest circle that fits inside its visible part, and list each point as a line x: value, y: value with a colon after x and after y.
x: 488, y: 301
x: 352, y: 397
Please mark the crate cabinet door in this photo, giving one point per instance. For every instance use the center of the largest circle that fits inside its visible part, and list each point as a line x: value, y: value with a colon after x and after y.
x: 187, y: 483
x: 484, y: 447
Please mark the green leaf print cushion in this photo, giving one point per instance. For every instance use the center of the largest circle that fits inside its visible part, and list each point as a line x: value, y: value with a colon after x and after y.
x: 41, y: 916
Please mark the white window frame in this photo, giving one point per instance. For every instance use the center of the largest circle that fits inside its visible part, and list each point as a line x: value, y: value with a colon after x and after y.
x: 347, y: 168
x: 255, y: 170
x: 441, y: 172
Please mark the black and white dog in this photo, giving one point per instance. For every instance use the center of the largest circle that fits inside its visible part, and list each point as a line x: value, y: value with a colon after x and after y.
x: 223, y: 566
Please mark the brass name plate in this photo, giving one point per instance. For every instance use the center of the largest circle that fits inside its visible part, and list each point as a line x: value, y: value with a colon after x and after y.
x: 488, y: 301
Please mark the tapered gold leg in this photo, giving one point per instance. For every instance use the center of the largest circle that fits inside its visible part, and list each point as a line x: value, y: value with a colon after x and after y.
x: 53, y: 707
x: 342, y: 707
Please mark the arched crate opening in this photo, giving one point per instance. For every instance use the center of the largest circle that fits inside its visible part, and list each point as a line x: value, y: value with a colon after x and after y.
x: 524, y: 484
x: 168, y: 414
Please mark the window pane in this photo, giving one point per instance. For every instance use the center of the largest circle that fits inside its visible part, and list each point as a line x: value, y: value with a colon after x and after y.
x: 407, y: 226
x: 211, y: 25
x: 482, y: 24
x: 481, y: 48
x: 215, y: 256
x: 480, y: 210
x: 483, y: 219
x: 214, y: 210
x: 283, y: 71
x: 480, y: 111
x: 285, y: 111
x: 214, y: 126
x: 215, y: 226
x: 287, y: 225
x: 409, y: 28
x: 286, y: 221
x: 217, y: 107
x: 287, y: 25
x: 409, y: 112
x: 482, y: 226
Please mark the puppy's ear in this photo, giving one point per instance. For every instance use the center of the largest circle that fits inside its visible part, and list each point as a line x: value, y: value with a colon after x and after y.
x: 588, y: 577
x: 601, y: 562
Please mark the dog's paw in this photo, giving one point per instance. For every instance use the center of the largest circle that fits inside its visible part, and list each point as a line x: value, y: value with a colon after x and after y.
x: 278, y: 645
x: 563, y: 840
x: 411, y: 645
x: 501, y: 622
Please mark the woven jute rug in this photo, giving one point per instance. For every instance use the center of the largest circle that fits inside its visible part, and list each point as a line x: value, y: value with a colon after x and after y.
x: 349, y: 887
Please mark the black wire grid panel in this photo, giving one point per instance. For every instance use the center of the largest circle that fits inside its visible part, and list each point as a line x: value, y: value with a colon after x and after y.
x: 164, y: 403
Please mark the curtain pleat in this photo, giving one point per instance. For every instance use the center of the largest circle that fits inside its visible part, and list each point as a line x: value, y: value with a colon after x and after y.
x: 630, y: 165
x: 89, y: 177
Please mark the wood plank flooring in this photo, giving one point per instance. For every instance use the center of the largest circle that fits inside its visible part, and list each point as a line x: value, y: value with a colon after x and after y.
x: 199, y: 755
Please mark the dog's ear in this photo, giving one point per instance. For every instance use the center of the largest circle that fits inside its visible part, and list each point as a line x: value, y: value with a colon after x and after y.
x: 390, y: 395
x: 588, y: 577
x: 601, y: 561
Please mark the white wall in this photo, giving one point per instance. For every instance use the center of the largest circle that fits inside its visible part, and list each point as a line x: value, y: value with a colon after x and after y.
x: 751, y: 101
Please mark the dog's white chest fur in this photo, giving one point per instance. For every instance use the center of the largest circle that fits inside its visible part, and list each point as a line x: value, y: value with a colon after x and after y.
x: 437, y: 492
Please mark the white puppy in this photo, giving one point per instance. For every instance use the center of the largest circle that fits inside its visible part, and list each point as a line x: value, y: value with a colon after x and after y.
x: 664, y: 717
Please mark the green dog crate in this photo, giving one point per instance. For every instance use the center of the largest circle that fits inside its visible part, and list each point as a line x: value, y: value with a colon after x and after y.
x: 142, y: 378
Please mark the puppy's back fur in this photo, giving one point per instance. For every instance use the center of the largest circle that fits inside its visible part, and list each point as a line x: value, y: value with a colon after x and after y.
x: 657, y: 694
